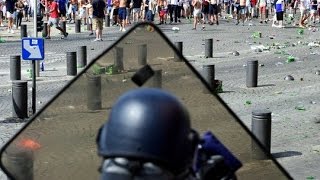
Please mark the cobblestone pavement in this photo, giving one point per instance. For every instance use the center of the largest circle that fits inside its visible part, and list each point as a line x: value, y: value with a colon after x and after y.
x: 295, y: 133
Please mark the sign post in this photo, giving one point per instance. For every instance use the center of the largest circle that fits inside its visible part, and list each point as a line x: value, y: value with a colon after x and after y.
x: 33, y: 50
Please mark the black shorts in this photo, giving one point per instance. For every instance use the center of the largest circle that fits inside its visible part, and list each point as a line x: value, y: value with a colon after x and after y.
x: 213, y: 9
x: 115, y: 12
x: 63, y: 13
x: 279, y: 16
x: 205, y: 9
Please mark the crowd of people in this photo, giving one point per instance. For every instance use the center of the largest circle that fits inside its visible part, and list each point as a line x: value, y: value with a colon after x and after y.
x: 125, y: 12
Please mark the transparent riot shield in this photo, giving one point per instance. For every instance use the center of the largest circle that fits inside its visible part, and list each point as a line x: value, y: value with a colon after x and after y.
x: 59, y: 142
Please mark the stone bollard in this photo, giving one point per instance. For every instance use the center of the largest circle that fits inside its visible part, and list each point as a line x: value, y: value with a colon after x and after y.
x: 82, y: 56
x: 19, y: 162
x: 63, y: 25
x: 45, y: 30
x: 118, y: 60
x: 261, y: 128
x: 179, y: 46
x: 23, y: 31
x: 71, y: 63
x: 157, y: 79
x: 142, y: 56
x: 252, y: 73
x: 208, y: 73
x: 94, y: 93
x: 15, y: 67
x: 107, y: 21
x: 208, y: 48
x: 78, y: 26
x: 20, y: 99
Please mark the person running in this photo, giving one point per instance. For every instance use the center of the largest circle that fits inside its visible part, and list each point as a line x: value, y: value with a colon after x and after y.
x: 122, y: 15
x: 54, y: 20
x: 98, y: 16
x: 197, y: 13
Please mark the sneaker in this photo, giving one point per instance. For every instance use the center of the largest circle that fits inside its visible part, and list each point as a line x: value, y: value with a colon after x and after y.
x: 273, y: 25
x: 120, y: 29
x: 66, y: 34
x: 217, y: 22
x: 124, y: 30
x: 48, y: 37
x: 91, y: 34
x: 96, y: 40
x: 203, y: 28
x: 1, y: 25
x: 11, y: 31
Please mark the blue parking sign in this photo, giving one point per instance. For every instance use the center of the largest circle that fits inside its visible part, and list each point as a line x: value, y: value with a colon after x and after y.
x: 33, y: 48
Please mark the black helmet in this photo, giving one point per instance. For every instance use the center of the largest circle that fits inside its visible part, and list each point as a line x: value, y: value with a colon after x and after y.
x: 150, y: 125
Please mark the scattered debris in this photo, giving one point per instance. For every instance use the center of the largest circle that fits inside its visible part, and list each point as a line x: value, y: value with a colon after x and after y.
x: 314, y: 44
x: 235, y: 53
x: 290, y: 59
x: 175, y: 29
x: 313, y: 102
x: 300, y: 31
x: 289, y: 78
x: 248, y: 103
x: 317, y: 72
x: 257, y: 35
x: 279, y: 63
x: 261, y: 65
x: 300, y: 108
x: 316, y: 149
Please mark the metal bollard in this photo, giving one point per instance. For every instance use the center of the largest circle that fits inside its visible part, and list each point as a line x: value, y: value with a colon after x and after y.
x: 45, y: 30
x: 23, y: 31
x: 15, y: 67
x: 20, y: 99
x: 94, y: 93
x: 107, y: 21
x: 208, y: 74
x: 142, y: 56
x: 78, y: 26
x: 118, y: 60
x: 252, y: 73
x: 157, y: 79
x: 208, y: 48
x: 63, y: 25
x: 179, y: 46
x: 261, y: 128
x: 82, y: 56
x: 71, y: 63
x: 19, y: 162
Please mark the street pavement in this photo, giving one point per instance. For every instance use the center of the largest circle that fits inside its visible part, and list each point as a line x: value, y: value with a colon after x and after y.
x: 294, y: 104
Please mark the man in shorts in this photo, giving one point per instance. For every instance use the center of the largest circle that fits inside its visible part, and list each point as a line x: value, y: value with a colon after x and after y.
x: 122, y: 15
x: 54, y: 19
x: 304, y: 9
x: 98, y: 16
x: 10, y: 7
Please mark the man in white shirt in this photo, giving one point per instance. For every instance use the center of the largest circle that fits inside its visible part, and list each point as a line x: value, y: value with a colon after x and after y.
x: 304, y: 9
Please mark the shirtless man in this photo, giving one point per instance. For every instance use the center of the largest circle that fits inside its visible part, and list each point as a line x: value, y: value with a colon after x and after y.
x: 74, y: 7
x: 213, y: 12
x: 197, y: 13
x: 242, y: 11
x: 122, y: 14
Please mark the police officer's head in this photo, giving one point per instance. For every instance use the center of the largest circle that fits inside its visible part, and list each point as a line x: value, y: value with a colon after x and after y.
x: 149, y: 125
